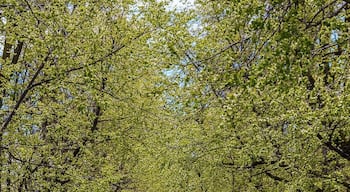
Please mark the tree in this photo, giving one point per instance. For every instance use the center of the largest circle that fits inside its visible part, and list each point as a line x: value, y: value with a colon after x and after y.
x: 134, y: 96
x: 267, y: 97
x: 76, y: 84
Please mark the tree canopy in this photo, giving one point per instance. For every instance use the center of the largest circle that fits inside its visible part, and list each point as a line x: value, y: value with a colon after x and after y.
x: 136, y: 95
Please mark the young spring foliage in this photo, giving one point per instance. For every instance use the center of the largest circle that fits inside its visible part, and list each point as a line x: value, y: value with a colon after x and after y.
x: 265, y: 95
x: 78, y: 85
x: 128, y: 95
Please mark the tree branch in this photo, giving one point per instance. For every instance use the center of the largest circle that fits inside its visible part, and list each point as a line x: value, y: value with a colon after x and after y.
x: 274, y: 177
x: 23, y: 95
x: 114, y: 51
x: 333, y: 14
x: 329, y: 145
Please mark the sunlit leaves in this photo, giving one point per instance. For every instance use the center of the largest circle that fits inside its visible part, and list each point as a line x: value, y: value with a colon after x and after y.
x: 76, y: 102
x: 272, y: 84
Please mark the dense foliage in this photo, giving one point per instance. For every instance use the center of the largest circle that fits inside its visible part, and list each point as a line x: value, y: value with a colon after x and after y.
x: 135, y: 95
x: 76, y: 86
x: 270, y: 95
